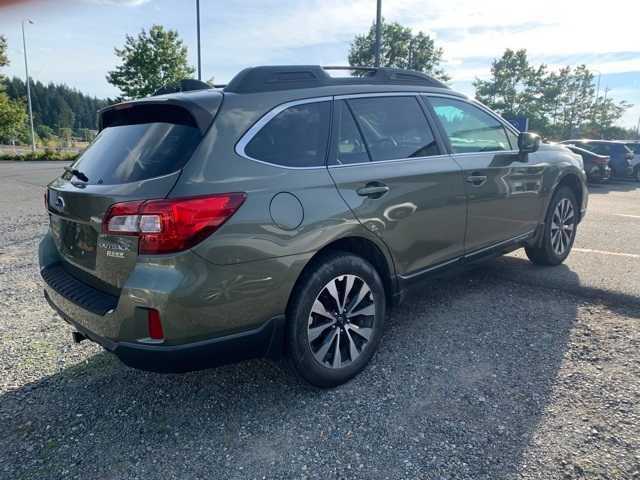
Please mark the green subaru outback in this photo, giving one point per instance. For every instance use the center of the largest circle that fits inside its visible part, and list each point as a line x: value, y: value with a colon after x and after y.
x: 286, y: 212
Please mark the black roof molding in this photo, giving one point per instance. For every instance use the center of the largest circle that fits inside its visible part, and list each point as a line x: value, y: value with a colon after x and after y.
x: 286, y: 77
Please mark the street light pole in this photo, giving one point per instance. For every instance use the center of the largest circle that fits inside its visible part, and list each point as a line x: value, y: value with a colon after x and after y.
x: 378, y: 32
x: 198, y: 28
x: 26, y: 69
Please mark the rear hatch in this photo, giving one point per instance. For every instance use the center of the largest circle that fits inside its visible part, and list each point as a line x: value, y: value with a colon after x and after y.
x: 138, y: 155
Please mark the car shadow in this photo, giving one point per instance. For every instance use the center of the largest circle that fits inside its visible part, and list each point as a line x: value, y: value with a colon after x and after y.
x: 613, y: 185
x: 560, y: 279
x: 462, y: 378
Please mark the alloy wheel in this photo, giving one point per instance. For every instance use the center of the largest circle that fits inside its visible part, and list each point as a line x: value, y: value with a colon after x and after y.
x: 562, y: 226
x: 341, y: 321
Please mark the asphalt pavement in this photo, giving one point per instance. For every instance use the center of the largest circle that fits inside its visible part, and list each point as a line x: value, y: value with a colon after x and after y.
x: 506, y: 371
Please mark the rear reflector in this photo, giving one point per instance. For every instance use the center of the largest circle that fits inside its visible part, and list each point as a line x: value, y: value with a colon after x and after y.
x: 171, y: 225
x: 154, y: 324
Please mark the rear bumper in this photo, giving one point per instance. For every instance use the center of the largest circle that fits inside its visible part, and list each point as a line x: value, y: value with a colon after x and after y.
x: 264, y: 341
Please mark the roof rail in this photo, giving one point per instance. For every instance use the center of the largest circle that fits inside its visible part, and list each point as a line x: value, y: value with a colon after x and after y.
x: 184, y: 85
x: 286, y: 77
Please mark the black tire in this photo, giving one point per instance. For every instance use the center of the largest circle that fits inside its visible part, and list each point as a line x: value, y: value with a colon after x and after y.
x: 547, y: 251
x: 636, y: 173
x: 342, y: 270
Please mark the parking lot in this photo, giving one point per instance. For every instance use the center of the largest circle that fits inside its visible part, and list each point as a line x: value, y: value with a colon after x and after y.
x: 507, y: 371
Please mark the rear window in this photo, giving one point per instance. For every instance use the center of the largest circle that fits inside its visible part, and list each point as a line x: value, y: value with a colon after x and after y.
x: 130, y: 153
x: 295, y: 137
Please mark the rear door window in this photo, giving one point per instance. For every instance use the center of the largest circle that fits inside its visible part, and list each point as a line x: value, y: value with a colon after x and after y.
x: 295, y: 137
x: 394, y: 127
x: 350, y: 147
x: 469, y: 129
x: 131, y: 153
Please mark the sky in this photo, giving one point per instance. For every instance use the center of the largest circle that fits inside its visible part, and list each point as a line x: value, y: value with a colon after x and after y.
x: 72, y: 41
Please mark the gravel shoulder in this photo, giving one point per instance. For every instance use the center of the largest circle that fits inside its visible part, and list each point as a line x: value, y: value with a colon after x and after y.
x: 505, y: 372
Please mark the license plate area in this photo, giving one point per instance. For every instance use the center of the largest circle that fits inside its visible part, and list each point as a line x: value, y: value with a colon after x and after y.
x: 76, y: 241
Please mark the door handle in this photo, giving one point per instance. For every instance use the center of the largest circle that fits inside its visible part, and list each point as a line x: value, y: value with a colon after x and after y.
x: 373, y: 190
x: 476, y: 180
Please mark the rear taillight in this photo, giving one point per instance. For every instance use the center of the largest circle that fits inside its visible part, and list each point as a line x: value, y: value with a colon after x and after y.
x: 171, y: 225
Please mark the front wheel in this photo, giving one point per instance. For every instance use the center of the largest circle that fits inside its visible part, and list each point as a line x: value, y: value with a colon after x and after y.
x: 335, y: 321
x: 560, y: 228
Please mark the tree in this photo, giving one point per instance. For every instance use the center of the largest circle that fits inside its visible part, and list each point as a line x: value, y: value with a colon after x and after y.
x: 4, y: 59
x: 399, y: 48
x: 509, y: 90
x: 150, y: 61
x: 558, y: 104
x: 13, y: 120
x: 13, y: 116
x: 57, y: 106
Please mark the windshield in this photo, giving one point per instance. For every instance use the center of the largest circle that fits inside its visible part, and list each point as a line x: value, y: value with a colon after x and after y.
x: 130, y: 153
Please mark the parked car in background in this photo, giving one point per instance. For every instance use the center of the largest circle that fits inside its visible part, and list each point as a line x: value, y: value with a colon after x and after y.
x: 595, y: 166
x: 635, y: 163
x: 620, y: 156
x: 286, y: 212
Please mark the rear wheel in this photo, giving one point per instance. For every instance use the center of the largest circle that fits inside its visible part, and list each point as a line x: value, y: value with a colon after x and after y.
x: 336, y: 318
x: 560, y: 228
x: 636, y: 173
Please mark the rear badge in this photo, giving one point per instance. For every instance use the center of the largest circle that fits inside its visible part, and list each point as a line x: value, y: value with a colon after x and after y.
x: 114, y: 248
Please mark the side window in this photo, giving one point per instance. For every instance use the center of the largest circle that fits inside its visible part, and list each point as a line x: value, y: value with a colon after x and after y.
x: 470, y: 129
x: 394, y: 127
x: 296, y: 137
x: 599, y: 148
x: 350, y: 147
x: 513, y: 139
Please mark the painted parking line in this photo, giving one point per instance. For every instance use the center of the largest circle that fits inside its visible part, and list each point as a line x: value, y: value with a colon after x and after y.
x: 604, y: 252
x: 626, y: 215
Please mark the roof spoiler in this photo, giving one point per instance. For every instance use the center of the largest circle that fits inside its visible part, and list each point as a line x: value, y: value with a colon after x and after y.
x: 196, y: 110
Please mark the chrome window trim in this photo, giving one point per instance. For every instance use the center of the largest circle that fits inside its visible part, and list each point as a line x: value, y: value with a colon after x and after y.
x: 262, y: 121
x: 391, y: 160
x: 486, y: 110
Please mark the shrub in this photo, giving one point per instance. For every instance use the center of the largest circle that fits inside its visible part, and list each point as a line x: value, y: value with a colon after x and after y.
x: 39, y: 156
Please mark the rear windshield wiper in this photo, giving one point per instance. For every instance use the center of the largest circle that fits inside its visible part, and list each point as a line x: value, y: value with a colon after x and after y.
x: 77, y: 173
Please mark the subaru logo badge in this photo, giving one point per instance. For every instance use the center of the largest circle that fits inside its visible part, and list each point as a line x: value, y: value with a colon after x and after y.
x: 60, y: 202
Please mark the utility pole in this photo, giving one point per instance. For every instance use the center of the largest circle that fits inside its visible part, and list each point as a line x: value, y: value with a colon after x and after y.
x: 26, y: 69
x: 378, y: 32
x: 198, y: 28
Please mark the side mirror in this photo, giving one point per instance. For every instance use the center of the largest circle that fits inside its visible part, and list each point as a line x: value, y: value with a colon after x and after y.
x: 528, y: 142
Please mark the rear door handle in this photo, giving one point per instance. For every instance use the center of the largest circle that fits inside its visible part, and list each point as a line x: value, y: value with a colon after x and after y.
x: 373, y: 190
x: 476, y: 180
